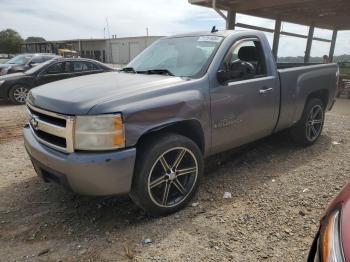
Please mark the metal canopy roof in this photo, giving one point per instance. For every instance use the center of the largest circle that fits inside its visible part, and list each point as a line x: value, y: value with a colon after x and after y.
x: 327, y: 14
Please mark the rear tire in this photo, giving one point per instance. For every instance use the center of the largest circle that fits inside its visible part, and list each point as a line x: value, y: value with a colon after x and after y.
x: 309, y: 128
x: 167, y: 174
x: 18, y: 94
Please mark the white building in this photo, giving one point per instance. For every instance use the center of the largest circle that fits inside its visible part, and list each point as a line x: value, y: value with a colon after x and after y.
x: 113, y: 51
x: 123, y: 50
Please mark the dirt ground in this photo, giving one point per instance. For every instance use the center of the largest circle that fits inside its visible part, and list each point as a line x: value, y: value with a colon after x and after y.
x: 279, y: 192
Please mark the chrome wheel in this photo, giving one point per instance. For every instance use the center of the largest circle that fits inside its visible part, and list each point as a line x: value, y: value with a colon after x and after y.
x: 172, y: 177
x: 20, y: 94
x: 314, y: 123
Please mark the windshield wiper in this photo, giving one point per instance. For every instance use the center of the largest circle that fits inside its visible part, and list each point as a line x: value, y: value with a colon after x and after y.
x: 159, y: 72
x: 128, y: 69
x: 149, y: 72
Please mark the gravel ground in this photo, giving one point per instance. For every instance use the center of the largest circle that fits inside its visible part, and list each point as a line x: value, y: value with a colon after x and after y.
x: 279, y: 192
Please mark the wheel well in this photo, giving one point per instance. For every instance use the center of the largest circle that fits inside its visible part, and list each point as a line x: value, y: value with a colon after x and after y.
x: 322, y: 94
x: 191, y: 129
x: 18, y: 84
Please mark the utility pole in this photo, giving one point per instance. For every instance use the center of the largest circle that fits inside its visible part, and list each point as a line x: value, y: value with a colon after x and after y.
x: 146, y: 36
x: 109, y: 39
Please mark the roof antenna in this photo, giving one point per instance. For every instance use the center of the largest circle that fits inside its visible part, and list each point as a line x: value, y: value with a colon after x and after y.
x: 214, y: 30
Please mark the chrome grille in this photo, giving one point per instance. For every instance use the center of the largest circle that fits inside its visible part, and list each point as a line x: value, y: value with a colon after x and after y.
x: 52, y: 129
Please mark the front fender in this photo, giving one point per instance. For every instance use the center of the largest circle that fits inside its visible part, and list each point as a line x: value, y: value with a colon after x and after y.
x: 155, y: 113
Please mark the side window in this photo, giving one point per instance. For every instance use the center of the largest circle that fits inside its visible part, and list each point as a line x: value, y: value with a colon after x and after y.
x: 245, y: 60
x: 82, y: 66
x: 78, y: 66
x: 46, y: 58
x: 37, y: 60
x: 94, y: 66
x: 87, y: 66
x: 57, y: 68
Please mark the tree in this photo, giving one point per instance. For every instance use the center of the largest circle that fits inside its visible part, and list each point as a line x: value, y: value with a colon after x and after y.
x: 34, y: 39
x: 10, y: 41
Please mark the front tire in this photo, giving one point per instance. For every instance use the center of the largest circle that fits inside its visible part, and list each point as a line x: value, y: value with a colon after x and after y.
x: 167, y: 174
x: 18, y: 94
x: 309, y: 128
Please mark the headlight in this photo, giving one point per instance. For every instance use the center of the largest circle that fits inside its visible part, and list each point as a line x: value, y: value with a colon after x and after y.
x: 1, y: 82
x: 102, y: 132
x: 330, y: 243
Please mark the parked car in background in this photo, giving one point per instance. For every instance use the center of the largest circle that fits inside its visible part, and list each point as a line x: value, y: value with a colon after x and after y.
x: 145, y: 131
x: 332, y: 241
x: 21, y: 63
x: 15, y: 87
x: 4, y: 58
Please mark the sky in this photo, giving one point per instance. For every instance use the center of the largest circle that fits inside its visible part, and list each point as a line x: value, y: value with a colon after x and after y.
x: 58, y: 20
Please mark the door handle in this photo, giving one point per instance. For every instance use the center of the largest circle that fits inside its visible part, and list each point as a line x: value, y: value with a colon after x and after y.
x: 265, y: 90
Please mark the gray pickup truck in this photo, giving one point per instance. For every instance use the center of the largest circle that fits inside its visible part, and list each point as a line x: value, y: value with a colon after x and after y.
x: 144, y: 131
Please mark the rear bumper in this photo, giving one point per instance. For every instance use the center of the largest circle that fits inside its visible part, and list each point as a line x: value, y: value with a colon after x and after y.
x: 97, y: 174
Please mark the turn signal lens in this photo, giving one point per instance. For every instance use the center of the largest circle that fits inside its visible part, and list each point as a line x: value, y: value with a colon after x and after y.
x: 330, y: 239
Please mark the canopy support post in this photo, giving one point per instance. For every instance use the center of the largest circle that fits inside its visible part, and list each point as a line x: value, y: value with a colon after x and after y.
x: 276, y: 38
x: 334, y: 40
x: 231, y: 20
x: 309, y: 44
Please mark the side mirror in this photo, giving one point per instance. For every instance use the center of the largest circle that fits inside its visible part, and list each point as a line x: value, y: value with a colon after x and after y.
x: 237, y: 71
x: 32, y: 64
x: 223, y: 76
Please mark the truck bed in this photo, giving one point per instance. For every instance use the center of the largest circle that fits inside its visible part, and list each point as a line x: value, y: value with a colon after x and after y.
x: 290, y: 65
x: 299, y: 80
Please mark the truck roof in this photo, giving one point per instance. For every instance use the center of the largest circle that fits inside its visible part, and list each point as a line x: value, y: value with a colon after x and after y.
x: 221, y: 33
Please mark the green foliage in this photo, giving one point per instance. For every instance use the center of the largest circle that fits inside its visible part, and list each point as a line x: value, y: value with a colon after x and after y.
x: 34, y: 39
x: 344, y: 69
x: 300, y: 59
x: 10, y: 41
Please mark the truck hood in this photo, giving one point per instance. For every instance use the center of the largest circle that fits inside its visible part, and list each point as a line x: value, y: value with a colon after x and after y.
x: 76, y: 96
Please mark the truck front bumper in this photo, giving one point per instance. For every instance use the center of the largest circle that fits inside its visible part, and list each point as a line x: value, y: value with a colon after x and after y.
x: 96, y: 174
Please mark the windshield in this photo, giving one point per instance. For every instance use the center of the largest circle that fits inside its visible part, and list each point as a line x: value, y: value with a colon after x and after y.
x: 180, y: 56
x: 37, y: 68
x: 19, y: 60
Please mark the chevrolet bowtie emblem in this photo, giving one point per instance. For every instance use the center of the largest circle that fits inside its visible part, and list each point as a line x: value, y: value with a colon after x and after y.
x: 35, y: 124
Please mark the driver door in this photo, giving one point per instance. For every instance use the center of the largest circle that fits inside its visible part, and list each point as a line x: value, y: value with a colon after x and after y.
x: 55, y: 72
x: 245, y: 107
